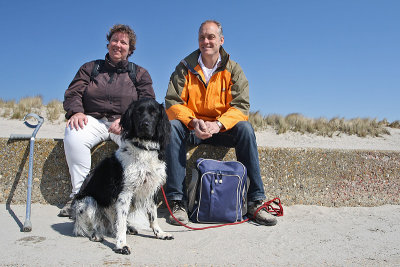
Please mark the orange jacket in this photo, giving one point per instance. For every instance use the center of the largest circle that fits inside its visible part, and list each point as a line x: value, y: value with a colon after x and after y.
x: 225, y: 98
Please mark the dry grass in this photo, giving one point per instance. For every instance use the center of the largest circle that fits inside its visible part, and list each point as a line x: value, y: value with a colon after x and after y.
x: 295, y: 122
x: 17, y: 110
x: 27, y: 105
x: 54, y: 109
x: 7, y: 108
x: 395, y: 124
x: 298, y: 123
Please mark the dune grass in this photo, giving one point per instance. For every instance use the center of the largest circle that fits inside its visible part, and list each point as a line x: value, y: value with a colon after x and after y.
x: 27, y: 105
x: 294, y: 122
x: 54, y: 109
x: 17, y: 110
x: 395, y: 124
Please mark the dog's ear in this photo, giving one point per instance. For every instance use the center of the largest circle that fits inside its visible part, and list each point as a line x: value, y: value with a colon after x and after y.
x: 127, y: 122
x: 163, y: 131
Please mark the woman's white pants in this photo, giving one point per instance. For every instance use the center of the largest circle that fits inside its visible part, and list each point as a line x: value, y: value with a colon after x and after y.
x: 78, y: 145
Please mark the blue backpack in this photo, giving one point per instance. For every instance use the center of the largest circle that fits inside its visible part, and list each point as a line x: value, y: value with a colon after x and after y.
x: 218, y: 191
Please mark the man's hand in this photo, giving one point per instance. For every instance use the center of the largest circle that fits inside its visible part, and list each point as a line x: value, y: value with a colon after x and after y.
x: 78, y: 120
x: 200, y: 129
x: 212, y: 127
x: 115, y: 127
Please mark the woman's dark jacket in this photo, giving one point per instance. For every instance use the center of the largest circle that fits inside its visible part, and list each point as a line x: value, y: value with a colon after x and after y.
x: 109, y: 93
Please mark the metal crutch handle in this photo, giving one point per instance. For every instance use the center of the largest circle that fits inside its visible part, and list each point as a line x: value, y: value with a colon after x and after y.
x: 37, y: 126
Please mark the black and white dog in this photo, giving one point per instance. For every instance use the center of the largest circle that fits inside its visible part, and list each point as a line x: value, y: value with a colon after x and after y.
x: 128, y: 180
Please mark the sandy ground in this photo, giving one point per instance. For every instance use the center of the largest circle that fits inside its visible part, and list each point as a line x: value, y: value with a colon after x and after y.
x: 304, y: 236
x: 267, y: 138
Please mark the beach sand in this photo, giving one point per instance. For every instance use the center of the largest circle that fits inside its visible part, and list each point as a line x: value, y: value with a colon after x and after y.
x: 304, y: 236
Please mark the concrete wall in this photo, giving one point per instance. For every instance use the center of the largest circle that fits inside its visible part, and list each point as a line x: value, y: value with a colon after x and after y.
x: 298, y: 176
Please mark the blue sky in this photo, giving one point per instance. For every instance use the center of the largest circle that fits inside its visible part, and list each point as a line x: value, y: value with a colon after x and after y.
x: 320, y: 58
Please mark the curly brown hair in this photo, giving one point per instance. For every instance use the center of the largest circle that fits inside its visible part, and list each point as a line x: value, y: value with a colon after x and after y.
x: 124, y: 29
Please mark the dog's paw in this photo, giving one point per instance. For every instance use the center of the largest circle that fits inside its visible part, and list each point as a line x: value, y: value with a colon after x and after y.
x: 130, y: 230
x: 96, y: 238
x: 164, y: 236
x: 125, y: 250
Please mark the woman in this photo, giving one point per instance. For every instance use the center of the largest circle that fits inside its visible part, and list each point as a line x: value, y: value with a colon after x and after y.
x: 95, y: 100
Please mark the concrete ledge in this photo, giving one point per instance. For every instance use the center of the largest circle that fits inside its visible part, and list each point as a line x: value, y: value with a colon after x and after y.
x: 298, y: 176
x: 51, y: 182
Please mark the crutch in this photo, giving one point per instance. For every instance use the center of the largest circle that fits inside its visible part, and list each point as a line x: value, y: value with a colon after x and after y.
x: 27, y: 224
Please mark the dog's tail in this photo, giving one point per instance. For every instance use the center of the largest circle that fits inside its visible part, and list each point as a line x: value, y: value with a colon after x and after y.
x: 87, y: 217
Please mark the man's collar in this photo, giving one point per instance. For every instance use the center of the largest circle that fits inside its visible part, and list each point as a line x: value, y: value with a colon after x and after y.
x: 200, y: 60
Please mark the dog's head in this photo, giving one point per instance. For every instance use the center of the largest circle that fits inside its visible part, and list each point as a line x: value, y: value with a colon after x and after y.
x: 146, y: 119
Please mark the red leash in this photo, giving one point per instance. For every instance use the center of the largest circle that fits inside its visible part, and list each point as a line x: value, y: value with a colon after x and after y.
x: 277, y: 211
x: 271, y: 209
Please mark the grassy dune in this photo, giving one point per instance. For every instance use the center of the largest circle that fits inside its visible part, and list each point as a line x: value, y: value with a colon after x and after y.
x: 295, y: 122
x: 53, y: 111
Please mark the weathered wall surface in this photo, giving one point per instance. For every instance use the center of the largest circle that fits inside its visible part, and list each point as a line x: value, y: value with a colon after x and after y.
x: 298, y: 176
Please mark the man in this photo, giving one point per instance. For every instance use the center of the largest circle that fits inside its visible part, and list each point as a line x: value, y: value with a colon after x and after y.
x: 207, y: 102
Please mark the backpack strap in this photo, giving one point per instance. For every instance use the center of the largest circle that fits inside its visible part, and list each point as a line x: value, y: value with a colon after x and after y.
x: 98, y: 65
x: 192, y: 188
x: 132, y: 72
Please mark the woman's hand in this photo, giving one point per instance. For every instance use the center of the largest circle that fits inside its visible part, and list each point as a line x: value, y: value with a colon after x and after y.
x: 78, y: 120
x: 115, y: 127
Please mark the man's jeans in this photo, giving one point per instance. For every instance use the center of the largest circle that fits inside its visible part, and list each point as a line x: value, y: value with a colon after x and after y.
x: 241, y: 137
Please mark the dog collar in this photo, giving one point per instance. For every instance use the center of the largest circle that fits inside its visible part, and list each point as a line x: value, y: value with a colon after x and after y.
x: 141, y: 146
